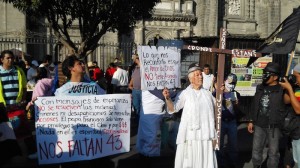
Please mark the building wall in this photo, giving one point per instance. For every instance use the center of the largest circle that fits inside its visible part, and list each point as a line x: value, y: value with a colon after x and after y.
x: 12, y: 22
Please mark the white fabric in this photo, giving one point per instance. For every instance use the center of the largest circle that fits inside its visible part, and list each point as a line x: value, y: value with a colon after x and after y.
x: 120, y: 78
x: 196, y: 130
x: 190, y: 126
x: 195, y: 154
x: 151, y: 104
x: 79, y: 89
x: 207, y: 80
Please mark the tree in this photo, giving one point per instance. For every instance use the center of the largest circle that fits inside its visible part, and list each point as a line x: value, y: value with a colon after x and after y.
x: 92, y: 17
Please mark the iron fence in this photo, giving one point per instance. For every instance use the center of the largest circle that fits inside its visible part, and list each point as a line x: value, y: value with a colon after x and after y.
x: 105, y: 53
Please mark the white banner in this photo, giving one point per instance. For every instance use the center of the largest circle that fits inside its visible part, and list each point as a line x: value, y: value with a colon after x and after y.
x: 73, y: 128
x: 160, y: 67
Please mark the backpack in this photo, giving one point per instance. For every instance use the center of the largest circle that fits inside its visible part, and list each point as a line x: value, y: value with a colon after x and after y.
x: 291, y: 125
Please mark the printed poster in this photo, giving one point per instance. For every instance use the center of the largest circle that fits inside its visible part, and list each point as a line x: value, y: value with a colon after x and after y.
x: 248, y: 77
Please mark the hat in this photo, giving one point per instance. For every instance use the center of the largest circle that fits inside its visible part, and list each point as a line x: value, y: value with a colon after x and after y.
x: 90, y: 64
x: 193, y: 67
x: 52, y: 65
x: 135, y: 56
x: 35, y: 63
x: 272, y: 67
x: 231, y: 78
x: 297, y: 68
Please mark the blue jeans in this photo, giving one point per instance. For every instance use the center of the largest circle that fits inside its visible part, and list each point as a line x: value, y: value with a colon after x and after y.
x: 261, y: 137
x: 296, y: 151
x: 137, y: 100
x: 228, y: 128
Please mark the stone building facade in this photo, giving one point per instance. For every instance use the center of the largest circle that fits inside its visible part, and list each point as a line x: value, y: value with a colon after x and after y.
x: 179, y: 19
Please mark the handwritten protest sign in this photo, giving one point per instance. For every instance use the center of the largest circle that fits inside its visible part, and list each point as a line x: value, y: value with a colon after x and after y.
x: 75, y: 128
x: 160, y: 67
x: 248, y: 77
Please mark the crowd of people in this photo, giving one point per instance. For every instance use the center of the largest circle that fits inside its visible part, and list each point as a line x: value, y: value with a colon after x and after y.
x: 192, y: 106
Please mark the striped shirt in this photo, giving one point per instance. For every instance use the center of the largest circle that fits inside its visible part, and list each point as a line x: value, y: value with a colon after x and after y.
x: 10, y: 84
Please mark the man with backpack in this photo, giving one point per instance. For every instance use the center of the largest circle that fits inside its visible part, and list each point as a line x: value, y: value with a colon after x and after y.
x: 292, y: 121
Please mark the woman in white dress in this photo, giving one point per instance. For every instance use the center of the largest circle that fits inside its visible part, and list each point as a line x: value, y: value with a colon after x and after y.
x: 197, y: 127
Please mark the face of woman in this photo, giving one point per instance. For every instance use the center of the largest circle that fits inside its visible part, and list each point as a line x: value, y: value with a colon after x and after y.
x: 196, y: 79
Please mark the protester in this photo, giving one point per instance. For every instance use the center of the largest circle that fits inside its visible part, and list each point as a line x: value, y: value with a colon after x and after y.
x: 43, y: 88
x: 77, y: 85
x: 108, y: 75
x: 13, y: 96
x: 267, y: 116
x: 292, y: 98
x: 208, y: 78
x: 135, y: 86
x: 46, y: 63
x: 197, y: 128
x: 229, y: 123
x: 31, y: 74
x: 74, y: 69
x: 149, y: 130
x: 97, y: 73
x: 52, y: 68
x: 120, y: 80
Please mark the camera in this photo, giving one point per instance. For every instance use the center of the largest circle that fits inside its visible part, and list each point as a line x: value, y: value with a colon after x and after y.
x: 290, y: 78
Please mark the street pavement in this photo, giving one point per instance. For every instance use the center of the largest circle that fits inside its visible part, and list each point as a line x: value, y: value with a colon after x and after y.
x: 133, y: 160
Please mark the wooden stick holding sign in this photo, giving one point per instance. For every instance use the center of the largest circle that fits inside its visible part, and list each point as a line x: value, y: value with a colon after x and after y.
x: 220, y: 76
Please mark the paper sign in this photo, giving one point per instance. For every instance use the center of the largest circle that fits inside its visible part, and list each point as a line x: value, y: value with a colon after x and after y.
x: 73, y: 128
x: 160, y: 67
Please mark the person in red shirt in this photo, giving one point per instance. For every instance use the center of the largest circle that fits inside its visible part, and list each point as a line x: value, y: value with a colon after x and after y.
x: 108, y: 75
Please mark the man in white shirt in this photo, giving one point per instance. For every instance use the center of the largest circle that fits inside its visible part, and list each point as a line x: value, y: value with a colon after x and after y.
x: 208, y: 78
x: 120, y: 80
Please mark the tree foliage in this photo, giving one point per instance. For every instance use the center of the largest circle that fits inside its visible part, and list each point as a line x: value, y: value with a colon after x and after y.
x: 92, y: 17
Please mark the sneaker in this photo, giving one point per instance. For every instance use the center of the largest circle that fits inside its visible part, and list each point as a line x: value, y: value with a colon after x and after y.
x: 32, y: 156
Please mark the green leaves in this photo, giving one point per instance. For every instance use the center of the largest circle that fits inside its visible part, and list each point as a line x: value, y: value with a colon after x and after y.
x: 92, y: 17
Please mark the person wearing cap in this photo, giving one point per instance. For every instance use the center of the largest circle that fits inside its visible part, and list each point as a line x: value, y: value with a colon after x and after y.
x: 135, y: 86
x: 229, y: 123
x: 31, y: 74
x: 267, y: 116
x: 292, y: 97
x: 197, y: 127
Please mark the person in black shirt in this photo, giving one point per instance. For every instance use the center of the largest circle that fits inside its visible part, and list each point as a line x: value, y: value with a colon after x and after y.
x: 267, y: 116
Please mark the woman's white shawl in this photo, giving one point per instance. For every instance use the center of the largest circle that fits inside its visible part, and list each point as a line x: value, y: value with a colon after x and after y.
x: 197, y: 120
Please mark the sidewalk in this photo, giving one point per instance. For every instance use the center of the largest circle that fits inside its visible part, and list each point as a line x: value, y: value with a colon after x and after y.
x: 133, y: 160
